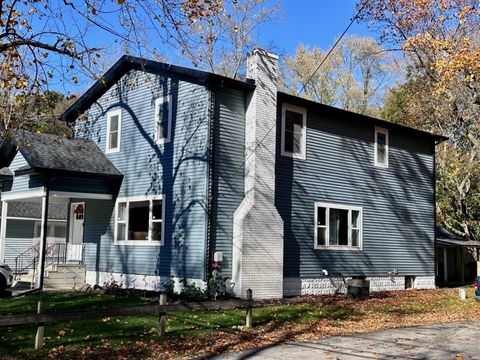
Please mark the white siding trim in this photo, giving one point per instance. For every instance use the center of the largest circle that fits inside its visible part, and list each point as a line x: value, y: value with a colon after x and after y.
x: 159, y: 102
x: 300, y: 110
x: 149, y: 242
x: 381, y: 130
x: 111, y: 113
x: 80, y: 195
x: 23, y: 194
x: 329, y: 206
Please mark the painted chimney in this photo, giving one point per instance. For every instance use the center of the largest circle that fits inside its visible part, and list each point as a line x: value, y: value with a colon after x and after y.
x: 258, y: 228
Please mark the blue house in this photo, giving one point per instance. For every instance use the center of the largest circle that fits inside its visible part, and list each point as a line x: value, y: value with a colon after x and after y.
x: 173, y: 169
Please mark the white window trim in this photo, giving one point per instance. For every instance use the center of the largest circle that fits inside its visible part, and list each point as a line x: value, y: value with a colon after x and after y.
x: 159, y: 102
x: 328, y: 206
x: 148, y: 242
x: 380, y: 130
x: 110, y: 114
x: 303, y: 111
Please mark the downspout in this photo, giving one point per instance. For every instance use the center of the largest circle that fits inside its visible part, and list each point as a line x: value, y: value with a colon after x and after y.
x: 211, y: 189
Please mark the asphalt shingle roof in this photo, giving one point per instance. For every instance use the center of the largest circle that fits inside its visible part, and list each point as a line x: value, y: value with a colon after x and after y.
x: 52, y: 152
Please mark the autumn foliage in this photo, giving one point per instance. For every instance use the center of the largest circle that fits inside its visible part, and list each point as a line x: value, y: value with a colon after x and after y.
x: 441, y: 45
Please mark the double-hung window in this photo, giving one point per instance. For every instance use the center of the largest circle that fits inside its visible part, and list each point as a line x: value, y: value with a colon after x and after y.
x: 140, y: 221
x: 294, y: 131
x: 114, y: 130
x: 338, y: 226
x: 163, y: 119
x: 381, y: 147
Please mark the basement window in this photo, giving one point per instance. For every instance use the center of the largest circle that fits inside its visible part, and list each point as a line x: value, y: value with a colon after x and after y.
x: 114, y: 128
x: 294, y: 131
x: 338, y: 227
x: 163, y: 119
x: 381, y: 147
x: 139, y: 221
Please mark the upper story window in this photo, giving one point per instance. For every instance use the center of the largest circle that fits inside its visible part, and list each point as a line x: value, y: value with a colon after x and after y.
x: 114, y: 129
x: 163, y: 119
x: 338, y: 227
x: 294, y: 131
x: 381, y: 147
x: 139, y: 221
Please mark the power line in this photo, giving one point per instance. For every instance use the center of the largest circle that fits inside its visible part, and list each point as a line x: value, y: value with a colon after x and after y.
x: 333, y: 47
x: 305, y: 84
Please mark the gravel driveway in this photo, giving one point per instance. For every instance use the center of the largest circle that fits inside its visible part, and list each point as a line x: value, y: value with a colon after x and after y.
x: 445, y: 341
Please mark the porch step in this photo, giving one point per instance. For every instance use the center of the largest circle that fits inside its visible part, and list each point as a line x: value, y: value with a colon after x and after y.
x: 65, y: 277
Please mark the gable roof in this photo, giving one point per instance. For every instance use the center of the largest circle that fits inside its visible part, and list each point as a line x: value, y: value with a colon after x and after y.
x: 127, y: 63
x: 47, y: 153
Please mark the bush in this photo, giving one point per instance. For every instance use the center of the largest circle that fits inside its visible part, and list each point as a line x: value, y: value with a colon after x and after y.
x: 192, y: 292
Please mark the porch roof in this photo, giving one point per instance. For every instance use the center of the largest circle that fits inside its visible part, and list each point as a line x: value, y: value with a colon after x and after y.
x: 47, y: 153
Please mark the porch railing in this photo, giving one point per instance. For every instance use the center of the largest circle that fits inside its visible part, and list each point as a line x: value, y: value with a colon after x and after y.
x: 55, y: 254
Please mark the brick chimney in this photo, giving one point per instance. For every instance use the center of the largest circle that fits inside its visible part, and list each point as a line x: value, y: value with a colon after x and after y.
x: 258, y: 228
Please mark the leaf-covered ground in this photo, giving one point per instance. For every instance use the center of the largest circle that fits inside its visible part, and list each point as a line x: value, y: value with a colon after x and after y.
x: 195, y: 333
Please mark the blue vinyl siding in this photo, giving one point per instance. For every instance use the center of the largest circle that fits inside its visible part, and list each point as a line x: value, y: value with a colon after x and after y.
x: 229, y: 169
x: 178, y: 169
x: 20, y: 183
x: 19, y: 238
x: 398, y: 203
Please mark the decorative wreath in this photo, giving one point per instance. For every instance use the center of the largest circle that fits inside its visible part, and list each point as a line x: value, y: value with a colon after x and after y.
x: 78, y: 209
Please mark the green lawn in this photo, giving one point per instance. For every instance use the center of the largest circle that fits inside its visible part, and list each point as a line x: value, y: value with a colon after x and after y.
x: 123, y: 330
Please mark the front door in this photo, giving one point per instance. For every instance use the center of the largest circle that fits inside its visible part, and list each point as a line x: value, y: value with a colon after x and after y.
x: 75, y: 245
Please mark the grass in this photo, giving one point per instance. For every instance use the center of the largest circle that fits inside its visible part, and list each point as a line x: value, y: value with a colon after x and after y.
x: 198, y: 331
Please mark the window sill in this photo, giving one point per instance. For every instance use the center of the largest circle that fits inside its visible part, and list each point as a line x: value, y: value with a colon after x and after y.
x: 113, y: 151
x: 293, y: 155
x: 138, y: 242
x: 341, y: 248
x: 162, y: 141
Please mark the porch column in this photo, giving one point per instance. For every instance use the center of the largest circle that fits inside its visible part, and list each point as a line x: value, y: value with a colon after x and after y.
x: 478, y: 261
x: 463, y: 264
x: 43, y: 240
x: 3, y: 231
x: 445, y: 266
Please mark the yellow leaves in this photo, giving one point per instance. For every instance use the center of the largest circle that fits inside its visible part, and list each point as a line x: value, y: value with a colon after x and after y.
x: 120, y: 2
x: 75, y: 80
x: 106, y: 319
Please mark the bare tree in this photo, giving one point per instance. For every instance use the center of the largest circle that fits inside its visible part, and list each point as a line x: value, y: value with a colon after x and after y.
x: 222, y: 41
x: 354, y: 77
x: 49, y: 43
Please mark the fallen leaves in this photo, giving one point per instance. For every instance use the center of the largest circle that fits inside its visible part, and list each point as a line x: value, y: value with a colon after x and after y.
x: 342, y: 316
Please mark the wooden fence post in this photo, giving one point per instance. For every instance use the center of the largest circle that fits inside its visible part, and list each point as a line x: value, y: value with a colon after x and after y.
x: 162, y: 315
x: 249, y: 314
x: 39, y: 341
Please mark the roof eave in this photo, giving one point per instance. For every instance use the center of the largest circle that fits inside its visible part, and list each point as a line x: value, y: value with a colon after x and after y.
x: 126, y: 63
x: 70, y: 173
x: 302, y: 101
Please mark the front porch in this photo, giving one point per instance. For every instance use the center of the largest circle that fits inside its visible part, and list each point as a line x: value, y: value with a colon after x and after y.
x: 49, y: 170
x: 61, y: 254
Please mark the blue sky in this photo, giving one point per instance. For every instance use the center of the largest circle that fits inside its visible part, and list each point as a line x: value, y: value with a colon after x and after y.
x: 311, y: 22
